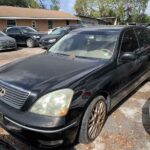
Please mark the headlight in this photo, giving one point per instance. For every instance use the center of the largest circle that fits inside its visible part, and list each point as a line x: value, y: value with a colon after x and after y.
x: 36, y: 36
x: 52, y: 41
x: 56, y: 103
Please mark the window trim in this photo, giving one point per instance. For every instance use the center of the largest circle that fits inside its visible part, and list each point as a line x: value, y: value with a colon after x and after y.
x: 12, y: 20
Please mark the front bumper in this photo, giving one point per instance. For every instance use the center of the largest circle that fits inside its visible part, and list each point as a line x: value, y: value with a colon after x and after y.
x: 7, y: 47
x: 44, y: 44
x: 38, y: 131
x: 40, y: 138
x: 37, y: 41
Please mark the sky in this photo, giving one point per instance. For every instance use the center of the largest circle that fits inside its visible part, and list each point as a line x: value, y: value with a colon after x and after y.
x: 148, y: 9
x: 67, y: 6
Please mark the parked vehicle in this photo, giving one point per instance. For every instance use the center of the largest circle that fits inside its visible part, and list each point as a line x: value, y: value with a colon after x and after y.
x: 7, y: 42
x: 65, y: 95
x: 24, y: 35
x: 48, y: 40
x: 51, y: 30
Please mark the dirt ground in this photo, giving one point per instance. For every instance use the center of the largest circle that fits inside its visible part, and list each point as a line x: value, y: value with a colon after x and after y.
x: 127, y: 127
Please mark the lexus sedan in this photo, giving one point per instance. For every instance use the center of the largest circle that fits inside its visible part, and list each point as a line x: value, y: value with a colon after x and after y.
x: 7, y: 42
x: 64, y: 96
x: 24, y: 35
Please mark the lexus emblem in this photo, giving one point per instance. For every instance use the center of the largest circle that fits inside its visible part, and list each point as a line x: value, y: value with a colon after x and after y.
x: 2, y: 92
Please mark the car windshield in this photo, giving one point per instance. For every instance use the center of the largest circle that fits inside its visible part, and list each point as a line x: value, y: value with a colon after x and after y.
x: 28, y: 30
x: 87, y: 44
x: 2, y: 34
x: 59, y: 31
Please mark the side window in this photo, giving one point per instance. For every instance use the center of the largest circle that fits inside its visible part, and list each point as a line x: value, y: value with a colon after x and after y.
x: 13, y: 31
x: 144, y: 37
x: 11, y: 23
x: 129, y: 42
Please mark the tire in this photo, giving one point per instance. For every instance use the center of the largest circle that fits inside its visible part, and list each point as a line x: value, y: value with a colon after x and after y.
x: 30, y: 43
x: 89, y: 129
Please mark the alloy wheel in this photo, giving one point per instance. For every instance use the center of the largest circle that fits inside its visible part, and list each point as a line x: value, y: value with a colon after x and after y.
x: 96, y: 120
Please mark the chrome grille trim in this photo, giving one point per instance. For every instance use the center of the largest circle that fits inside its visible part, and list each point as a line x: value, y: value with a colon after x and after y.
x: 14, y: 97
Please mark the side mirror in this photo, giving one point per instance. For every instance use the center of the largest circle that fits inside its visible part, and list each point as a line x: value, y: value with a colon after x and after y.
x: 128, y: 56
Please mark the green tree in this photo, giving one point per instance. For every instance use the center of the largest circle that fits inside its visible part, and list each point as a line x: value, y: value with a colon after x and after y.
x: 20, y: 3
x: 55, y: 5
x: 81, y: 7
x: 108, y: 8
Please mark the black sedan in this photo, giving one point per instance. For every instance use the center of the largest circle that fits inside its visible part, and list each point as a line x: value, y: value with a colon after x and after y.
x: 24, y: 35
x: 7, y: 42
x: 65, y: 95
x: 48, y: 40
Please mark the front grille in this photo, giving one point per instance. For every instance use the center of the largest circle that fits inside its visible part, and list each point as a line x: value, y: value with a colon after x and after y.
x: 13, y: 97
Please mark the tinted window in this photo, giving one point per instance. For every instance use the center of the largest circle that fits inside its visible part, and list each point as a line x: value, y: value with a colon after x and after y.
x: 129, y: 42
x: 28, y: 30
x: 144, y: 37
x: 59, y: 31
x: 13, y: 31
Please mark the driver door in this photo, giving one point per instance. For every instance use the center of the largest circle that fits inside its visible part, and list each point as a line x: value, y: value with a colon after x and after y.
x: 126, y: 72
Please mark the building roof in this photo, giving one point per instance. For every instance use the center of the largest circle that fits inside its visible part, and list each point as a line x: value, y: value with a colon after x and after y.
x: 8, y: 12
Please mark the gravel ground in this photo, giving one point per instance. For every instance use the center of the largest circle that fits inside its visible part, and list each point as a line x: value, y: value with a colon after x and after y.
x: 127, y: 128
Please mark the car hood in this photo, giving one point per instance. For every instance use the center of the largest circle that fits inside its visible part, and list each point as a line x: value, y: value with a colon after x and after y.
x: 36, y: 70
x: 6, y: 38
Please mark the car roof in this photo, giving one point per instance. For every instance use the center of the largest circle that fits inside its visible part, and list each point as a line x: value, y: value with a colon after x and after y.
x: 108, y: 27
x: 18, y: 27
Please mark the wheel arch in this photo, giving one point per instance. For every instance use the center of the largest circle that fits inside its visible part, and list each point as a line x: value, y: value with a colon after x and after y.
x: 103, y: 93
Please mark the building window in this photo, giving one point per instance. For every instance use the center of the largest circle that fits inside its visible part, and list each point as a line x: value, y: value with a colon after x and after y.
x: 50, y: 24
x: 34, y: 24
x: 11, y: 23
x: 67, y: 22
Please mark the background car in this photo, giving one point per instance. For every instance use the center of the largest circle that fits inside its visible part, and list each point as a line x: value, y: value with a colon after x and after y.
x: 48, y: 40
x: 7, y: 42
x: 24, y: 35
x: 51, y: 30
